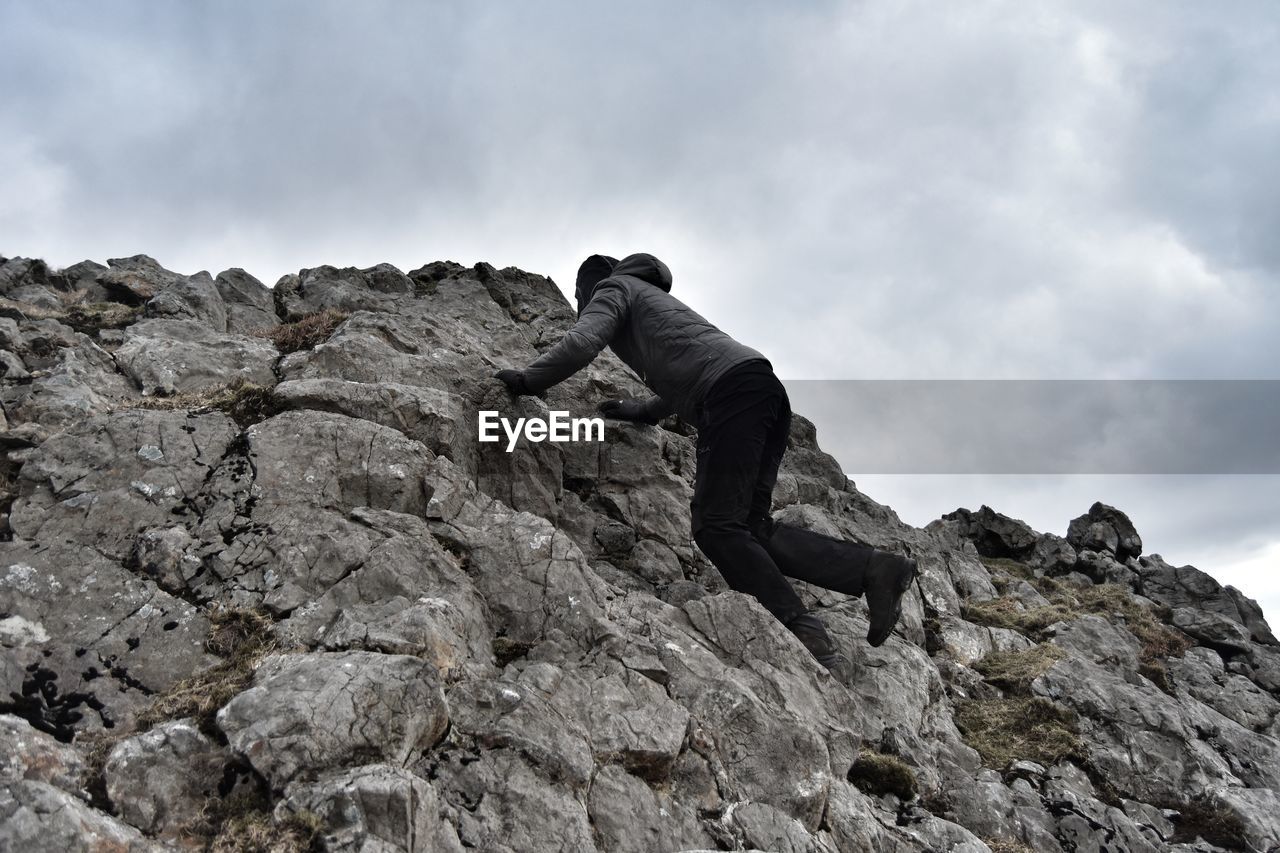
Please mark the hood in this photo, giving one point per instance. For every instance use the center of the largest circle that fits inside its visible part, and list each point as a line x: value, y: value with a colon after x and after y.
x: 646, y: 267
x: 594, y: 270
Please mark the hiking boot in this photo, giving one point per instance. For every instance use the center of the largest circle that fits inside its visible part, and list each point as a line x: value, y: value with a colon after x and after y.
x: 810, y: 631
x: 888, y: 578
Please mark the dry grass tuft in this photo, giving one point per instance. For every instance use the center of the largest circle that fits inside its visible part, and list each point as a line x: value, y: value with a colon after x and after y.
x: 1159, y: 640
x: 254, y: 831
x: 242, y: 638
x: 244, y: 402
x: 86, y: 317
x: 875, y: 774
x: 1021, y: 727
x: 1014, y: 671
x: 1003, y: 845
x: 305, y: 333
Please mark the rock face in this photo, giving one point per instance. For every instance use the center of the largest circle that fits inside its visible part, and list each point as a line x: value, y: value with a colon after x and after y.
x: 259, y: 580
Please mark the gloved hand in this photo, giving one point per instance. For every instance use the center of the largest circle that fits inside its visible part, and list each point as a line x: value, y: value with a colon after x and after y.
x: 514, y: 380
x: 626, y: 410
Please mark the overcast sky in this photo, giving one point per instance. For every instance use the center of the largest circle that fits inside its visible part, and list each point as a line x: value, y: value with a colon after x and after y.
x: 860, y: 190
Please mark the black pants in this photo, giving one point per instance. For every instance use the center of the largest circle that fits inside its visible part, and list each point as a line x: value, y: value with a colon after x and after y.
x: 743, y: 434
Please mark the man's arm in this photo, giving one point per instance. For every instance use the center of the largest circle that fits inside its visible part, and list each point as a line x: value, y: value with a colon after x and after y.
x: 596, y: 327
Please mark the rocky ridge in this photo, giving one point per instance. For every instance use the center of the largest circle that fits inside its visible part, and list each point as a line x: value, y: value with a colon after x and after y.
x: 260, y: 585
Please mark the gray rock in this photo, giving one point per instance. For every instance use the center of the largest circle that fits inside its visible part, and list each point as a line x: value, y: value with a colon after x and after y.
x: 193, y: 298
x: 38, y: 817
x: 249, y: 303
x: 136, y: 280
x: 1211, y: 628
x: 433, y: 417
x: 1105, y: 528
x: 994, y: 534
x: 32, y: 755
x: 372, y: 808
x: 627, y: 815
x: 307, y: 713
x: 158, y: 781
x: 166, y: 357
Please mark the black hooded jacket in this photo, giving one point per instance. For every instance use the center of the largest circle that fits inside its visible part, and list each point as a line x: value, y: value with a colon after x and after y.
x: 675, y: 351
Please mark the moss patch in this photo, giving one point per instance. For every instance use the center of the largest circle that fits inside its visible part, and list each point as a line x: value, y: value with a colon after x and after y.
x: 305, y: 333
x: 875, y: 774
x: 244, y: 402
x: 1020, y: 727
x: 1014, y: 671
x: 92, y: 317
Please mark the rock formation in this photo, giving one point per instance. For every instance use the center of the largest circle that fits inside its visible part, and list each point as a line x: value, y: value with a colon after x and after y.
x: 260, y: 585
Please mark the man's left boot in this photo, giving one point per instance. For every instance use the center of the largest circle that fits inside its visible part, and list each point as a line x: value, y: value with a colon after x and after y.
x: 888, y: 577
x: 809, y: 629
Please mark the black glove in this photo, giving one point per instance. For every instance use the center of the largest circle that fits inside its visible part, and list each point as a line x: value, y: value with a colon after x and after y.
x: 626, y: 410
x: 514, y: 380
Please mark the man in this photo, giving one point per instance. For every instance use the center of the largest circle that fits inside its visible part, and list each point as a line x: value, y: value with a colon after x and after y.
x: 742, y: 413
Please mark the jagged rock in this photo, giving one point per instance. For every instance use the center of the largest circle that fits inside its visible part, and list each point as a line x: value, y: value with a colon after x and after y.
x: 499, y: 803
x: 32, y: 755
x: 1187, y: 586
x: 1200, y: 671
x: 372, y: 808
x: 994, y: 534
x: 1052, y: 555
x: 1101, y: 567
x: 628, y: 815
x: 166, y: 357
x: 38, y: 817
x: 307, y: 713
x: 19, y: 273
x: 158, y: 781
x: 94, y: 665
x: 348, y: 289
x: 1083, y: 822
x: 1105, y: 528
x: 428, y: 415
x: 72, y: 378
x: 136, y: 280
x: 250, y: 304
x: 1211, y: 628
x: 159, y: 459
x: 194, y: 298
x: 1149, y: 744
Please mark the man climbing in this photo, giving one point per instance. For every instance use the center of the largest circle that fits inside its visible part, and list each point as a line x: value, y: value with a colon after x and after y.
x: 742, y: 413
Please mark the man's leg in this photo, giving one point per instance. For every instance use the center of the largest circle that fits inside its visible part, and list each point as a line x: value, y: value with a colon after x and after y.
x: 837, y: 564
x: 729, y: 456
x: 805, y: 555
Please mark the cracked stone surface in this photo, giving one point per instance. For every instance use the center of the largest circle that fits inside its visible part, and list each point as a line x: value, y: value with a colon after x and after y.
x: 307, y: 713
x: 463, y: 648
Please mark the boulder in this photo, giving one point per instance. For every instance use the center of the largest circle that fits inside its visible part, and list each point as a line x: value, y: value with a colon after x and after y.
x: 159, y: 780
x: 1105, y: 528
x: 308, y: 713
x: 166, y: 357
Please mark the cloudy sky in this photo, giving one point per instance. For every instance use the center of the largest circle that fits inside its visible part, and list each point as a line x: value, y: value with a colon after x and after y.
x: 872, y: 190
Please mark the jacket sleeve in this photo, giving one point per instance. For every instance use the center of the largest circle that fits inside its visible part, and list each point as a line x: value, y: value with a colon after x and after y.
x: 600, y: 320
